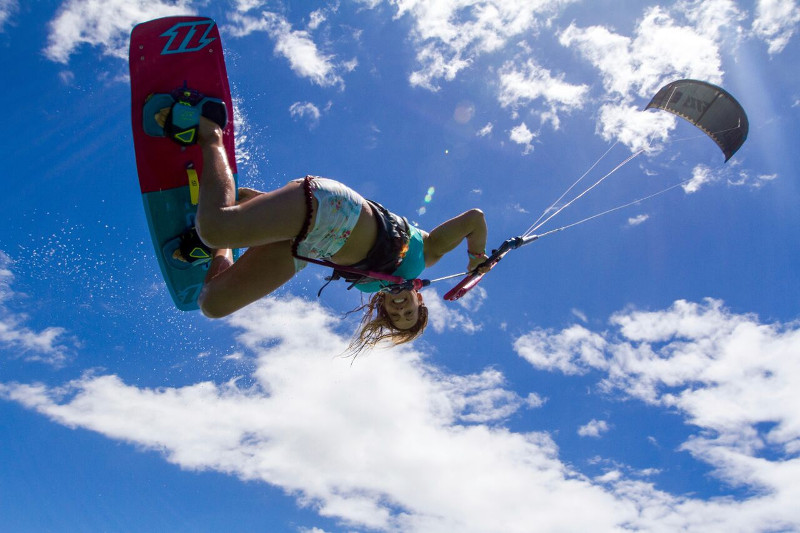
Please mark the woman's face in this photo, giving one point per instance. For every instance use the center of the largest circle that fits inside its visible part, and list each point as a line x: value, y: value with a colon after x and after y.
x: 403, y: 308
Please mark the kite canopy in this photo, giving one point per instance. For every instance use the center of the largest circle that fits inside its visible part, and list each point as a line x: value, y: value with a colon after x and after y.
x: 710, y: 108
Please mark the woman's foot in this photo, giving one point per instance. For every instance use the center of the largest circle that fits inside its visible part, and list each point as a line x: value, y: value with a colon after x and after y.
x: 208, y: 131
x: 161, y: 117
x: 191, y: 249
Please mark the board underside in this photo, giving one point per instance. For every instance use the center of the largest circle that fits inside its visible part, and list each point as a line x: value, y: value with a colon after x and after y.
x: 167, y: 54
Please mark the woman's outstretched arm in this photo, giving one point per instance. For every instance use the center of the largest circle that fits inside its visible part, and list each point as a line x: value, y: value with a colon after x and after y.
x: 470, y: 225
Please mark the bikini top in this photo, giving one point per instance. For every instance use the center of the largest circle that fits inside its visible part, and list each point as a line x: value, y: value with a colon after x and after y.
x: 411, y: 265
x: 398, y: 250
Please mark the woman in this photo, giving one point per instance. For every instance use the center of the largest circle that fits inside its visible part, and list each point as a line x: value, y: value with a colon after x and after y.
x: 315, y: 218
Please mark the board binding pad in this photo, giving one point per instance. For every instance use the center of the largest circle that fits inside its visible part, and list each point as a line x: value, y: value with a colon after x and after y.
x: 165, y: 55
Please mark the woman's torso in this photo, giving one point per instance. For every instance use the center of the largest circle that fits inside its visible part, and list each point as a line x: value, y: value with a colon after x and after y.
x: 362, y: 238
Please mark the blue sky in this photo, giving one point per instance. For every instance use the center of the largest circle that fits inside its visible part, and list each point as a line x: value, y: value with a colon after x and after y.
x: 636, y: 372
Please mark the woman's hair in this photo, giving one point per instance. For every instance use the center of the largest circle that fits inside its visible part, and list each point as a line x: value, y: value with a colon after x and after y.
x: 376, y: 327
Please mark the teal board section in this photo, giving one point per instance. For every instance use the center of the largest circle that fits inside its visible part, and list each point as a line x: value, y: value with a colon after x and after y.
x: 169, y: 213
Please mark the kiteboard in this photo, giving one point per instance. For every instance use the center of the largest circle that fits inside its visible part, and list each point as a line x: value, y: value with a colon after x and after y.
x: 168, y: 56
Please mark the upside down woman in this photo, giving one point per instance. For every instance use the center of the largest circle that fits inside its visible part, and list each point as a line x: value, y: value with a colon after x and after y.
x: 316, y: 218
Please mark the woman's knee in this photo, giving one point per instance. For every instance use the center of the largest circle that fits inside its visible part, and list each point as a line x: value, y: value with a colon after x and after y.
x: 211, y: 306
x: 216, y: 230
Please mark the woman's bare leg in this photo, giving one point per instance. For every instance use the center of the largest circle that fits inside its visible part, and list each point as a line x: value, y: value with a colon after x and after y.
x: 230, y: 286
x: 221, y: 223
x: 265, y: 223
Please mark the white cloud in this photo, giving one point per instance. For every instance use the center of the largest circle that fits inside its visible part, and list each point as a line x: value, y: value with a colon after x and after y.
x: 638, y: 219
x: 393, y: 444
x: 732, y: 377
x: 306, y: 110
x: 451, y: 34
x: 444, y: 317
x: 473, y: 300
x: 315, y: 19
x: 775, y: 22
x: 48, y: 345
x: 105, y: 24
x: 243, y: 6
x: 744, y: 178
x: 369, y: 4
x: 7, y: 8
x: 388, y: 443
x: 580, y: 315
x: 701, y: 175
x: 480, y: 398
x: 636, y: 129
x: 719, y: 19
x: 520, y: 134
x: 572, y: 351
x: 522, y: 83
x: 296, y: 46
x: 661, y: 49
x: 486, y: 130
x: 534, y: 400
x: 595, y: 429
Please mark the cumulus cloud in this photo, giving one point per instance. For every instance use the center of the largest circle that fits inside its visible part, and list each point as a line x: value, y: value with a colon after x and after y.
x: 106, y: 25
x: 574, y: 350
x: 388, y: 443
x: 296, y: 46
x: 594, y: 429
x: 633, y: 128
x: 662, y: 48
x: 534, y: 400
x: 520, y: 134
x: 442, y: 317
x: 243, y: 6
x: 450, y: 34
x: 481, y: 398
x: 776, y: 22
x: 522, y: 83
x: 307, y: 111
x: 731, y: 376
x: 719, y: 19
x: 49, y: 345
x: 392, y: 443
x: 701, y: 175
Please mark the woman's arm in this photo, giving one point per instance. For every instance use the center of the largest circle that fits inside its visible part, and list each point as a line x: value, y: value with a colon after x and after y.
x: 470, y: 225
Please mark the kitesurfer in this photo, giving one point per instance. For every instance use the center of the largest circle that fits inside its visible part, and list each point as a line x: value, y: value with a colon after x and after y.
x: 315, y: 218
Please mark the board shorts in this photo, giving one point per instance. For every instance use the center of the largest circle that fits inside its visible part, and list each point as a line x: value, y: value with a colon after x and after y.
x: 338, y: 210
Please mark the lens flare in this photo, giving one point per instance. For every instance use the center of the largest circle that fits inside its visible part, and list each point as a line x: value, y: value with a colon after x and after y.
x: 428, y: 199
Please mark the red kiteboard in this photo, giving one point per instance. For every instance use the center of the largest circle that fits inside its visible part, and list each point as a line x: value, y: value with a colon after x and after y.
x: 167, y: 55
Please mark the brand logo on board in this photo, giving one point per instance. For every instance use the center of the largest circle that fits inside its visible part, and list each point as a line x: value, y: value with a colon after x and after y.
x: 188, y: 37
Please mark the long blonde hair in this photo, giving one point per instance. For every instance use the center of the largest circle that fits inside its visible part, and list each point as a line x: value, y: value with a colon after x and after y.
x: 375, y: 326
